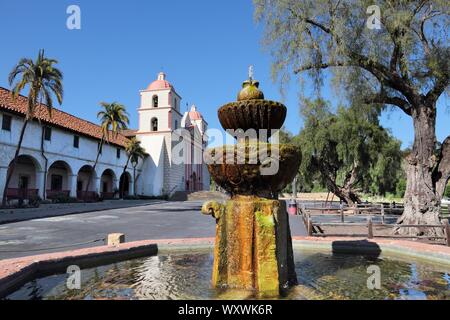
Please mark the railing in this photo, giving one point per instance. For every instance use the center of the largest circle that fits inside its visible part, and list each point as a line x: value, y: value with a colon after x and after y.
x: 52, y: 194
x: 87, y: 195
x: 359, y: 209
x: 315, y: 229
x: 24, y: 194
x: 107, y: 195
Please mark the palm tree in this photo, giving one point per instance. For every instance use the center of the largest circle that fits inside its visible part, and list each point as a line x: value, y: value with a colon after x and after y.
x: 135, y: 152
x: 113, y: 118
x: 43, y: 80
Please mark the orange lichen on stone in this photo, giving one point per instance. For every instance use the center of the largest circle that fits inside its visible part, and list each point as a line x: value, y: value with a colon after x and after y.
x: 246, y: 253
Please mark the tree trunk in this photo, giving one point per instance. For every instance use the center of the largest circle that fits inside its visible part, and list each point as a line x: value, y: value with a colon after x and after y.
x: 12, y: 165
x: 134, y: 180
x: 346, y: 193
x: 122, y: 183
x: 422, y: 202
x: 44, y: 192
x: 93, y: 168
x: 348, y: 196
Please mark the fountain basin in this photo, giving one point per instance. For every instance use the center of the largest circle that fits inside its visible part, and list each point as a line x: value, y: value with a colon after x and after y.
x: 253, y: 114
x: 186, y: 273
x: 253, y: 179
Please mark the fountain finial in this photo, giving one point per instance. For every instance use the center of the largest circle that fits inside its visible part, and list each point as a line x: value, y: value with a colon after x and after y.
x: 250, y: 88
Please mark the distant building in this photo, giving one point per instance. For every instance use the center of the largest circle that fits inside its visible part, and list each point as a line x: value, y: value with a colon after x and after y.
x: 70, y: 144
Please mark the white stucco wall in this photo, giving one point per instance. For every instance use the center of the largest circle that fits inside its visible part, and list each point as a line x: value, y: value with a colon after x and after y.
x: 60, y: 148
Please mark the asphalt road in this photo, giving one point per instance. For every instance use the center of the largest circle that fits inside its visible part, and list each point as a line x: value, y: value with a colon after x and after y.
x: 169, y: 220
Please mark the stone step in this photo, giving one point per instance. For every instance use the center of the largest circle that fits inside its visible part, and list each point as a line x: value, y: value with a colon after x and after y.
x: 208, y: 196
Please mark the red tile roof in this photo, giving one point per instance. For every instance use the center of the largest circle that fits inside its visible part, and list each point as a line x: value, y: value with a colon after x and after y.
x: 58, y: 118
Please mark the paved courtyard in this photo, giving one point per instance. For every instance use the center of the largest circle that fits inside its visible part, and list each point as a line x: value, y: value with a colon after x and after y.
x: 162, y: 220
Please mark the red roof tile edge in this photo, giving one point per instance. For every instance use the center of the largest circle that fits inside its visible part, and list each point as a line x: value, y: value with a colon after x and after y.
x: 58, y: 118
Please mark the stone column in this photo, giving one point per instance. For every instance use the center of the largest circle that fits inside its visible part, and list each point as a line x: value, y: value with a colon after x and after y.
x: 3, y: 172
x: 40, y: 183
x: 116, y: 186
x: 72, y: 183
x: 98, y: 181
x: 131, y: 185
x: 253, y: 249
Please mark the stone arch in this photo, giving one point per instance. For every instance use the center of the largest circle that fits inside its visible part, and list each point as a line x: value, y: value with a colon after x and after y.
x: 59, y: 179
x: 155, y: 101
x: 125, y: 184
x: 108, y: 184
x: 154, y: 124
x: 83, y: 175
x: 26, y: 179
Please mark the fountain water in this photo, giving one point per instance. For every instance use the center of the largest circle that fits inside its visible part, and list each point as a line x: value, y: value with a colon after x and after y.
x: 253, y: 249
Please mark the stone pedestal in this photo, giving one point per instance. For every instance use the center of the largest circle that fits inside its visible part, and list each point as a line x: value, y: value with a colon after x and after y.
x: 253, y: 249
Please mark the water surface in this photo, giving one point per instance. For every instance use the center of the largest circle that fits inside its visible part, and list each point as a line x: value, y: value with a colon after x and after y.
x: 187, y: 275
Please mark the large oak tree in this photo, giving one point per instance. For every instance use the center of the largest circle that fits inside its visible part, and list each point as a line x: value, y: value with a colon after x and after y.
x: 404, y: 64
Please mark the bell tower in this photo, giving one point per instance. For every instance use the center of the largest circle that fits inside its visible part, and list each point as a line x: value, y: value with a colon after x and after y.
x: 159, y: 111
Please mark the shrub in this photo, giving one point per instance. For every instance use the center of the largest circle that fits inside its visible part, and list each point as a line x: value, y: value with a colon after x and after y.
x: 400, y: 188
x: 447, y: 191
x: 35, y: 202
x: 63, y: 198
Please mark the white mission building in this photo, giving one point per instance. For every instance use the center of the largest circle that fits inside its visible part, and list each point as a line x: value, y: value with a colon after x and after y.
x: 58, y: 152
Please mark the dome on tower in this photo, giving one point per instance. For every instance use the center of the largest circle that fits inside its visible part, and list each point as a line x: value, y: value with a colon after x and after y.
x: 194, y: 114
x: 161, y: 83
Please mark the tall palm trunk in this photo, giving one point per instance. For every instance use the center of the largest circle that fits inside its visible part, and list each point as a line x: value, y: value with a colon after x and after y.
x: 134, y: 180
x: 122, y: 181
x: 44, y: 192
x: 100, y: 148
x: 13, y: 164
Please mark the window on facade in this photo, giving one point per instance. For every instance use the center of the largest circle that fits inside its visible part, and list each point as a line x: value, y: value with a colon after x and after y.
x: 175, y: 103
x: 47, y: 133
x: 118, y: 153
x: 76, y: 142
x: 6, y: 122
x: 155, y: 101
x: 154, y: 124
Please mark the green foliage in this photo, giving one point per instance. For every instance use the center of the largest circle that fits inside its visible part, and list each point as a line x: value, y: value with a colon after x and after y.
x: 285, y: 136
x: 43, y: 79
x: 347, y: 149
x: 407, y: 56
x: 113, y: 119
x: 447, y: 191
x: 64, y: 198
x: 135, y: 151
x: 400, y: 188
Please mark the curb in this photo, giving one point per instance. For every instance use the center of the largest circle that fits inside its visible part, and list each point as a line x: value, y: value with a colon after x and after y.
x: 2, y: 222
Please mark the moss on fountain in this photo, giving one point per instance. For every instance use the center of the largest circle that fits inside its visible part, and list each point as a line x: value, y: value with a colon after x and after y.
x: 253, y: 249
x: 232, y: 169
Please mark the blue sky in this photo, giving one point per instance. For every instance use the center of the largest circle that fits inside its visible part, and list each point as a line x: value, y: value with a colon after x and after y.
x: 204, y: 47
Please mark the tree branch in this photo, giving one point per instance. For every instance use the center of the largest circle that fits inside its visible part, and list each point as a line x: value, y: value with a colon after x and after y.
x: 383, y: 98
x: 384, y: 74
x: 441, y: 84
x: 319, y: 66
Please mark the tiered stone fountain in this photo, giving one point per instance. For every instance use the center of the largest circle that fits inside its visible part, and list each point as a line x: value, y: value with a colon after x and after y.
x: 253, y: 249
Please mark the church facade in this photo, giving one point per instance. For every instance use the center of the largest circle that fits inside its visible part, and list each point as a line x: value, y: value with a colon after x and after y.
x: 161, y: 127
x: 58, y: 151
